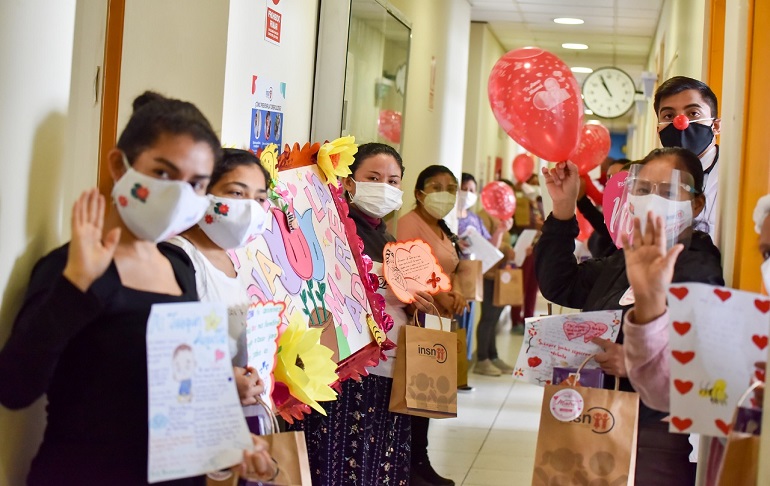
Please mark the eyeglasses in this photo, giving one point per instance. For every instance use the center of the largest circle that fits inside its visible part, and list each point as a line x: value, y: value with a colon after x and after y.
x: 438, y: 187
x: 671, y: 191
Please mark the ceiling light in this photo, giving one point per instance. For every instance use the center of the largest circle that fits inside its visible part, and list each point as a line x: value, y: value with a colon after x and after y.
x: 570, y: 45
x: 582, y: 70
x: 568, y: 21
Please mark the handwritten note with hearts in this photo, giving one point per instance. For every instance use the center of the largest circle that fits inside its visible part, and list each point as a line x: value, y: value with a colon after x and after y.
x: 562, y: 341
x: 411, y: 266
x: 715, y: 336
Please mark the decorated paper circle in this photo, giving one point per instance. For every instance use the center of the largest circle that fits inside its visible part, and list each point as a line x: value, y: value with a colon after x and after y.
x: 566, y: 405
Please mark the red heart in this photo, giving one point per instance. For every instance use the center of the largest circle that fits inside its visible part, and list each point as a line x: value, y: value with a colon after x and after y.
x: 723, y: 294
x: 725, y: 428
x: 683, y: 386
x: 679, y: 292
x: 534, y: 362
x: 682, y: 327
x: 760, y: 341
x: 681, y: 423
x: 683, y: 357
x: 762, y: 305
x: 760, y: 374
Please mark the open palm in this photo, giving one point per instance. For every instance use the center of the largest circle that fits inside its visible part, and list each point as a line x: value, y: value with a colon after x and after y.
x: 649, y: 267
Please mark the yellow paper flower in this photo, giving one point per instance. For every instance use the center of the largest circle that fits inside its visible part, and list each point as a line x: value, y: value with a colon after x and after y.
x: 335, y: 157
x: 305, y: 365
x: 269, y: 160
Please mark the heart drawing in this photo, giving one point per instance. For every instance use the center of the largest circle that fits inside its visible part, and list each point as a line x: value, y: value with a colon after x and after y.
x: 219, y: 355
x: 723, y: 294
x: 682, y: 386
x: 534, y: 362
x: 721, y: 425
x: 681, y: 327
x: 681, y: 424
x: 679, y: 292
x: 762, y: 305
x: 759, y: 341
x: 683, y: 357
x: 587, y: 329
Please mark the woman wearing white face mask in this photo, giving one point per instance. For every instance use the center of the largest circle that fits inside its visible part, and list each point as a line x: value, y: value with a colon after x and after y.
x: 359, y: 441
x: 236, y: 215
x: 604, y: 284
x: 79, y: 337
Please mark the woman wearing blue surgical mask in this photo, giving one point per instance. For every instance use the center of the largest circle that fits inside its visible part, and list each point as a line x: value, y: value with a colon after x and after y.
x: 359, y: 441
x: 236, y: 214
x: 79, y: 337
x: 604, y: 283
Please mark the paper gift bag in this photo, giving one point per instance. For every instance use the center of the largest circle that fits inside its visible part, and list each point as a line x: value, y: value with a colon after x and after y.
x: 468, y: 280
x: 586, y: 436
x: 462, y: 357
x: 740, y: 463
x: 425, y: 376
x: 509, y: 287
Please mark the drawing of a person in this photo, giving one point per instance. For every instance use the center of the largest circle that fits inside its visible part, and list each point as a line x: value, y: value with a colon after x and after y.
x: 184, y: 367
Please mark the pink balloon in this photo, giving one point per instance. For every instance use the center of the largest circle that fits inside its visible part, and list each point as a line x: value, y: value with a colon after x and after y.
x: 616, y: 216
x: 389, y: 125
x: 536, y: 100
x: 523, y: 167
x: 498, y: 200
x: 592, y: 148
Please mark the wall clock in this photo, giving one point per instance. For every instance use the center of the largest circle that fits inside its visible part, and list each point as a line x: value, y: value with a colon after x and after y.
x: 609, y: 92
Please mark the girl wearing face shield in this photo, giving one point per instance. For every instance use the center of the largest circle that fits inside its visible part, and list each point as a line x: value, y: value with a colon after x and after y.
x: 359, y: 441
x: 79, y: 337
x: 236, y: 214
x: 602, y: 284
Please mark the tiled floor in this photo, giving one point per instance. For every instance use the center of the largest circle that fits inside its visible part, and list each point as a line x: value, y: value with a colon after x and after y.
x: 492, y: 440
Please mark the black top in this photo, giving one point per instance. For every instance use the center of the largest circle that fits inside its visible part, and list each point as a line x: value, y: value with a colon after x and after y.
x: 374, y: 237
x: 87, y: 352
x: 599, y: 283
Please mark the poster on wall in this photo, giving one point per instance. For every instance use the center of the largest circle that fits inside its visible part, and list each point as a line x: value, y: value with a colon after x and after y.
x: 273, y: 20
x: 267, y: 114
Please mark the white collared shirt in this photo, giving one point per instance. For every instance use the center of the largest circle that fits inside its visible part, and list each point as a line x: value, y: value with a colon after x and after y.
x: 710, y: 187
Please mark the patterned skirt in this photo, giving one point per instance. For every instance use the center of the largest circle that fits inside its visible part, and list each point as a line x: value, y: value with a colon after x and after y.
x: 359, y: 442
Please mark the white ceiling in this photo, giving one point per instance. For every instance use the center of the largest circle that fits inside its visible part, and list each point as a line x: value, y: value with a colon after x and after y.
x: 618, y: 32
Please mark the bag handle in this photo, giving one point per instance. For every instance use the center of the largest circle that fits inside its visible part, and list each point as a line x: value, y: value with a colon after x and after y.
x: 440, y: 319
x: 580, y: 368
x: 269, y: 410
x: 749, y: 391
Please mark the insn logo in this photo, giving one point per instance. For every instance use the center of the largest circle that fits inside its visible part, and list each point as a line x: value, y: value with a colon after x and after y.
x: 438, y: 351
x: 599, y: 419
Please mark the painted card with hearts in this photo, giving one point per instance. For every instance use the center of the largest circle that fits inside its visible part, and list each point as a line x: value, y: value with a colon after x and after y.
x: 410, y: 266
x: 192, y: 392
x: 562, y: 341
x: 262, y: 323
x: 716, y: 334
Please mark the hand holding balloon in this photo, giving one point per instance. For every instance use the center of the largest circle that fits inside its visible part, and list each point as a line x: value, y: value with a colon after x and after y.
x: 563, y: 184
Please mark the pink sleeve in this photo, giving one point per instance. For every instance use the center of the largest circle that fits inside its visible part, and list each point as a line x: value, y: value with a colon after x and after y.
x: 646, y: 353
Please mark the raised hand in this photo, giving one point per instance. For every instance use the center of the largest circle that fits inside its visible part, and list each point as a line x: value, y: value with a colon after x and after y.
x: 563, y: 184
x: 89, y: 254
x: 649, y: 268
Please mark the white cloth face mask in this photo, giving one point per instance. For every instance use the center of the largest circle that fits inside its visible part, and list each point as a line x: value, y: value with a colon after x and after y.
x: 466, y: 199
x: 232, y: 223
x: 677, y: 215
x: 377, y: 199
x: 156, y: 209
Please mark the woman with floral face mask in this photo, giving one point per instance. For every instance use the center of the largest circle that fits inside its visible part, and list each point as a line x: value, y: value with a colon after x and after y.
x: 359, y: 441
x: 602, y: 284
x: 236, y: 215
x: 79, y: 337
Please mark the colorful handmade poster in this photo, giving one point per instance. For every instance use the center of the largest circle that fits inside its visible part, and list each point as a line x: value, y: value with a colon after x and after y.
x: 309, y: 259
x: 262, y: 322
x: 562, y: 341
x: 196, y: 423
x: 411, y: 266
x: 716, y: 335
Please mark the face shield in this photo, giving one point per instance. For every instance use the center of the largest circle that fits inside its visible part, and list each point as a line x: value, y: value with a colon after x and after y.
x: 669, y: 199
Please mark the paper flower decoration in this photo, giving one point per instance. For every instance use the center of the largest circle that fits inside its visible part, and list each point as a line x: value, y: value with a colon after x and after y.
x: 304, y: 365
x: 269, y: 160
x: 335, y: 157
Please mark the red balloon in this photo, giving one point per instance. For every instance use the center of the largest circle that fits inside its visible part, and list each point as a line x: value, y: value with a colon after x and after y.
x: 593, y: 147
x: 498, y: 200
x: 389, y: 125
x: 681, y: 122
x: 536, y: 100
x: 523, y: 167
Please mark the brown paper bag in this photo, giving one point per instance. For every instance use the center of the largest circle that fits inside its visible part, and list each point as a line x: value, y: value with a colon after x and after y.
x: 290, y: 453
x: 509, y: 287
x: 599, y: 445
x: 740, y: 463
x: 462, y: 357
x: 425, y: 376
x: 468, y: 280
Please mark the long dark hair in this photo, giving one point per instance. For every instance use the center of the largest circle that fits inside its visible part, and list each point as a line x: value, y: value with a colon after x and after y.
x: 422, y: 177
x: 370, y: 150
